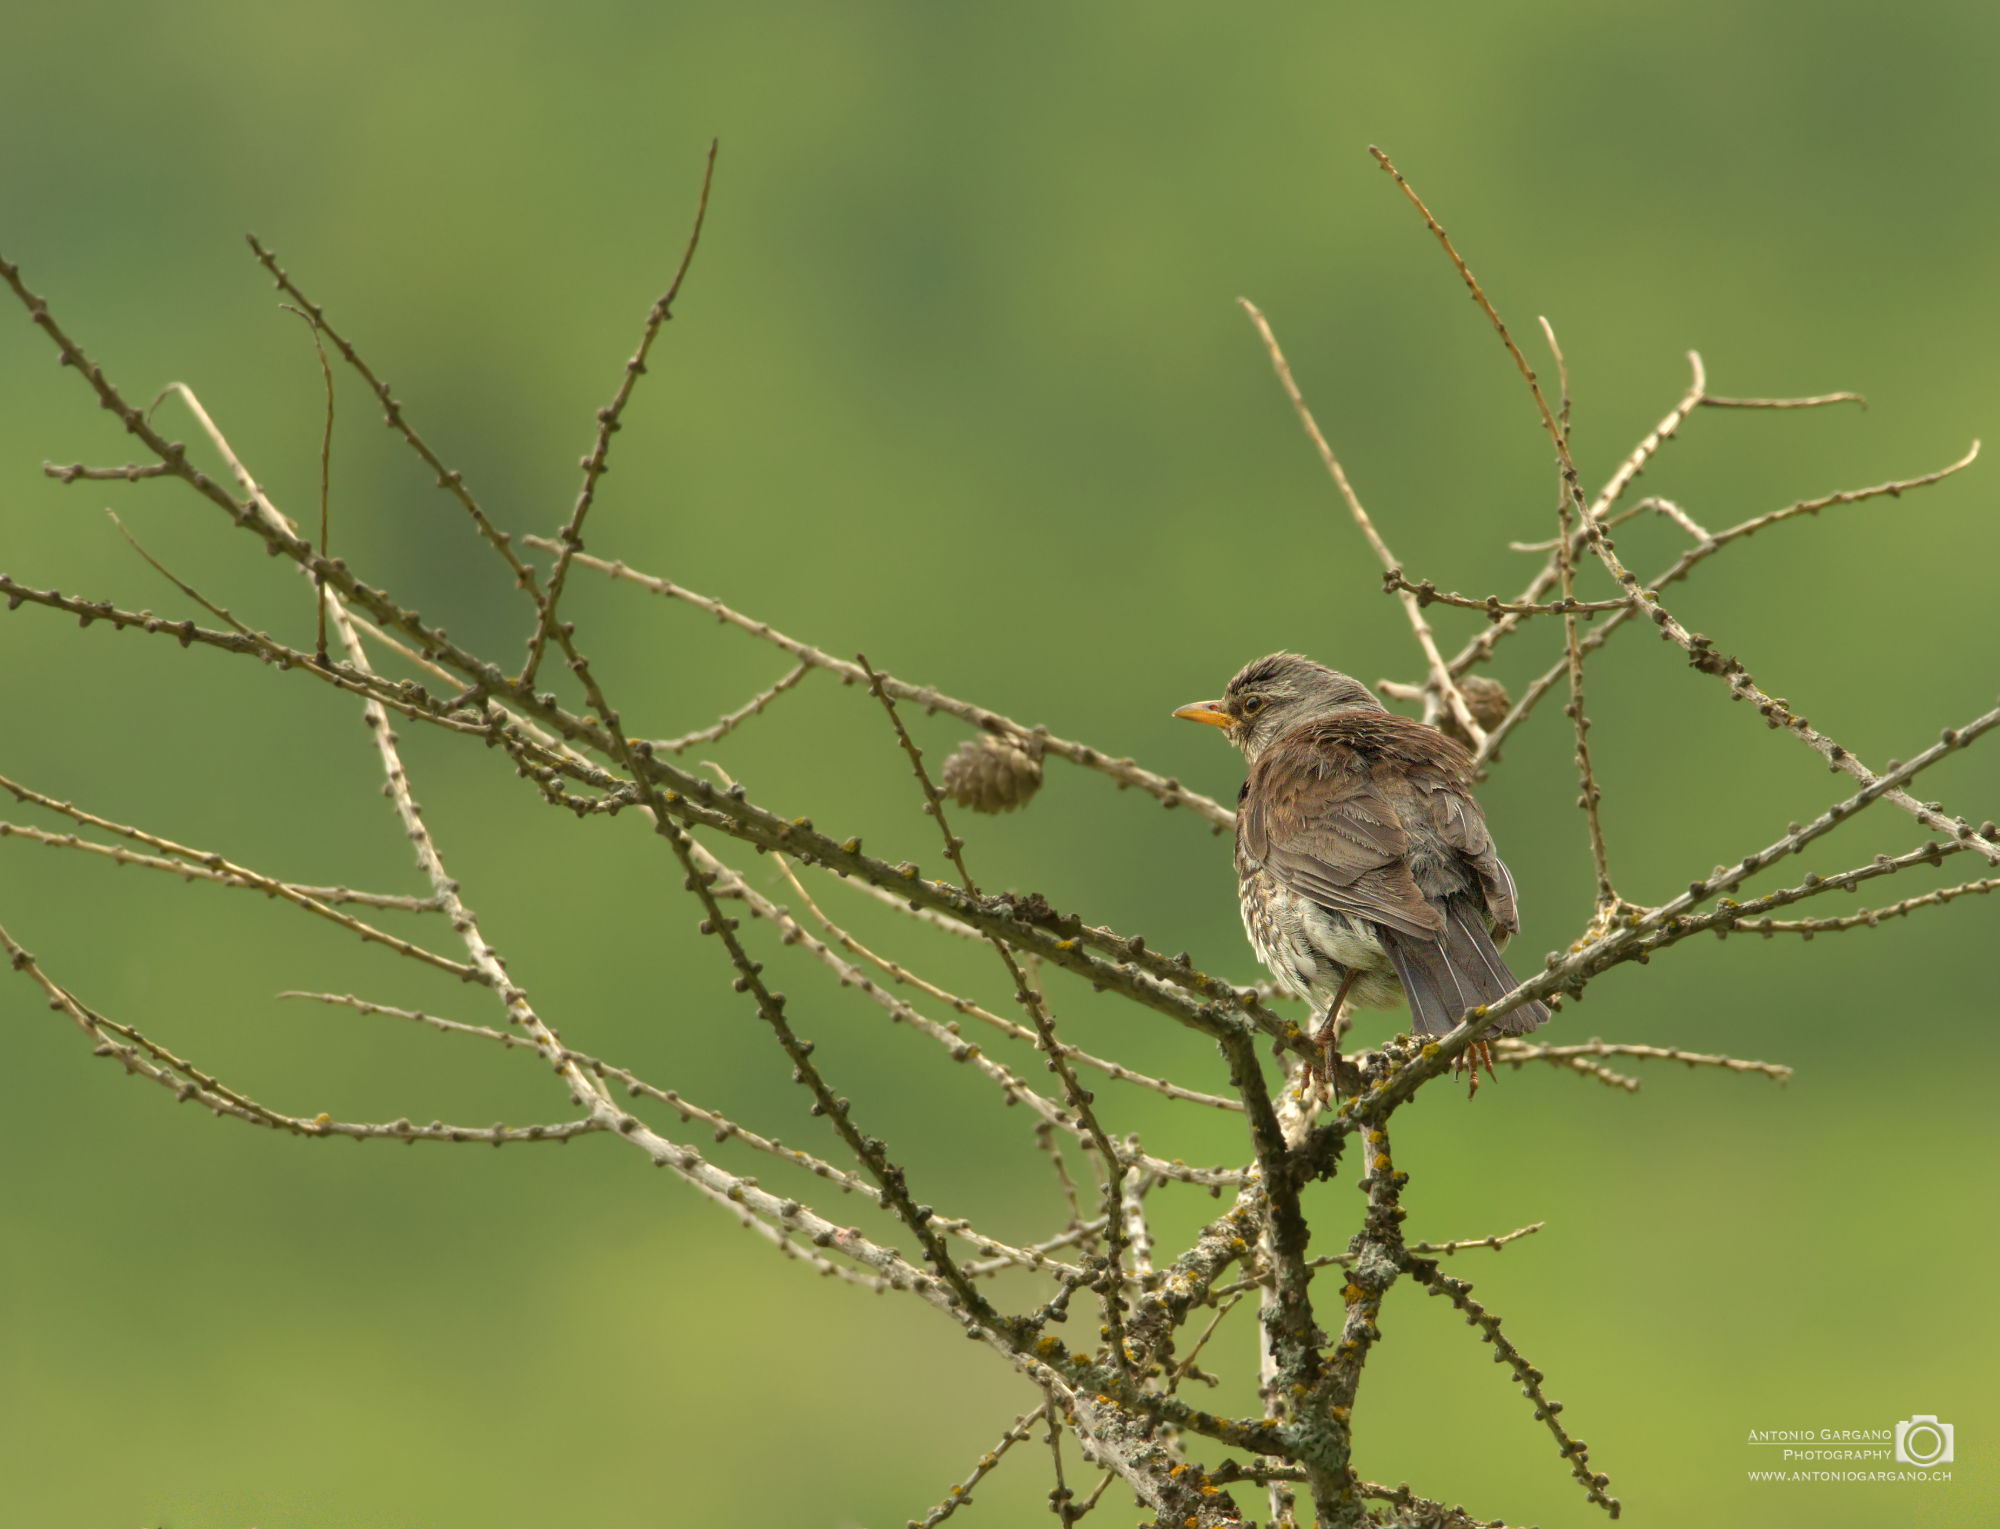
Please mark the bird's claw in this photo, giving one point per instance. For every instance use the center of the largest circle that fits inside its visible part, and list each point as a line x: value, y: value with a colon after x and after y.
x: 1469, y: 1061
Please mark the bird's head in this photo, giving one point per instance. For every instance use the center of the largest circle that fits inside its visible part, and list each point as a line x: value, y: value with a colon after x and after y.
x: 1269, y: 698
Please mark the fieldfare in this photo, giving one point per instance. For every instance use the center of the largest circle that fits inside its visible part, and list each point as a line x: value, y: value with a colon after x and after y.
x: 1363, y: 865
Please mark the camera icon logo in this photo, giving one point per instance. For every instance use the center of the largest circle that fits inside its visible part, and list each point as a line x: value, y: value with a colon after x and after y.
x: 1923, y: 1441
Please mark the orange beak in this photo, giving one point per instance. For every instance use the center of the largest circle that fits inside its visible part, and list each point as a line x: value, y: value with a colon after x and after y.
x: 1211, y: 712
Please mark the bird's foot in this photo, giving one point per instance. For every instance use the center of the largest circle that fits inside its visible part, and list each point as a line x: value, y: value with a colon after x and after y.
x: 1322, y: 1064
x: 1468, y: 1063
x: 1326, y: 1039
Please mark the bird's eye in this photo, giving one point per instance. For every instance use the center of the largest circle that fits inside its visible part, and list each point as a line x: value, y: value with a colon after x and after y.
x: 1252, y: 704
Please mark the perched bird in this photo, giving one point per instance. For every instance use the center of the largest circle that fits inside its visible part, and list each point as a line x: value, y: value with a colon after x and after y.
x: 1363, y: 865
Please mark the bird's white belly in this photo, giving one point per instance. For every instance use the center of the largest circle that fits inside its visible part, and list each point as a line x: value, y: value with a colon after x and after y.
x: 1309, y: 950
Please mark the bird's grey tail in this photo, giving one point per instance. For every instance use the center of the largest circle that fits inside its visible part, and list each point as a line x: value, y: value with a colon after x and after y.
x: 1458, y: 970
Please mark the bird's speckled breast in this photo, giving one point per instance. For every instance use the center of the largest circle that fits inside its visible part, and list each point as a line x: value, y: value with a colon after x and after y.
x: 1308, y: 950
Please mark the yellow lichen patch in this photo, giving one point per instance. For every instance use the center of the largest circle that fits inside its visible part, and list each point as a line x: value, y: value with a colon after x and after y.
x: 1351, y: 1292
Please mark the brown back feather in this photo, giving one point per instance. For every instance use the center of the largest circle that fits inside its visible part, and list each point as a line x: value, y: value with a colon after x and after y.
x: 1371, y: 814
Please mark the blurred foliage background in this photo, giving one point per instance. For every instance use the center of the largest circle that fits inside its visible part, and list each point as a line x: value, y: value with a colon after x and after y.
x: 958, y: 379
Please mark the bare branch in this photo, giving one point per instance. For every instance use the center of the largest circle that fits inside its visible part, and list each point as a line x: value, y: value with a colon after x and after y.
x: 961, y: 1494
x: 609, y: 420
x: 325, y: 480
x: 207, y: 865
x: 1428, y: 593
x: 1170, y: 793
x: 1815, y: 402
x: 1868, y: 918
x: 449, y: 479
x: 1459, y: 1293
x: 189, y: 871
x: 1518, y: 1053
x: 985, y: 1016
x: 730, y: 721
x: 131, y: 472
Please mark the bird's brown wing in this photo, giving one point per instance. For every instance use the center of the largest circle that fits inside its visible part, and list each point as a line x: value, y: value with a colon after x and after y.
x: 1454, y: 816
x: 1314, y: 817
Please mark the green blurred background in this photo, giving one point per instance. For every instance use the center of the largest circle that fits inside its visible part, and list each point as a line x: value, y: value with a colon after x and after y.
x: 958, y: 379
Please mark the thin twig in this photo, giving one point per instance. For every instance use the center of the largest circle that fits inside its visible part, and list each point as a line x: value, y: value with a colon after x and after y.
x: 144, y: 1057
x: 1571, y: 1448
x: 730, y: 721
x: 1079, y: 1098
x: 1817, y: 401
x: 1588, y: 794
x: 1518, y: 1053
x: 1443, y: 684
x: 1665, y: 507
x: 1060, y: 1495
x: 1480, y: 648
x: 130, y: 472
x: 961, y: 1494
x: 229, y: 873
x: 189, y: 871
x: 848, y: 942
x: 449, y: 479
x: 1701, y: 652
x: 325, y: 477
x: 185, y: 588
x: 1562, y: 375
x: 1707, y: 546
x: 1169, y: 792
x: 1428, y: 593
x: 1868, y: 918
x: 1342, y: 1260
x: 609, y: 419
